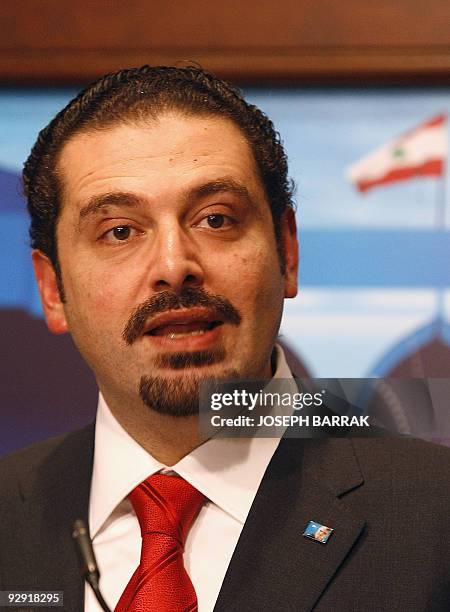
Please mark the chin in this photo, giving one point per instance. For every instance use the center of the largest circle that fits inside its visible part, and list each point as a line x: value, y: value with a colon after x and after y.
x: 177, y: 393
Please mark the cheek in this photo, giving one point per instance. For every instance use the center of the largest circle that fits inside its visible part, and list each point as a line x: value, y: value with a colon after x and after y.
x: 98, y: 288
x: 95, y: 304
x: 255, y: 282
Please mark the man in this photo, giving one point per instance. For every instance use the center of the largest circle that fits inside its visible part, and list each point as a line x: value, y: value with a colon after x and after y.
x: 322, y: 533
x: 164, y: 241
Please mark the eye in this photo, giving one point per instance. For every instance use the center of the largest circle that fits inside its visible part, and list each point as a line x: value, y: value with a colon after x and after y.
x: 216, y: 221
x: 119, y: 233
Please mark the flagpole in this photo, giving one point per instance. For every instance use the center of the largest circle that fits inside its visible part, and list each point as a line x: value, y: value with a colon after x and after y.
x: 441, y: 197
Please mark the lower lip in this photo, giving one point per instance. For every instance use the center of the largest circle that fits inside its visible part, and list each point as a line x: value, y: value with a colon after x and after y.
x: 187, y: 342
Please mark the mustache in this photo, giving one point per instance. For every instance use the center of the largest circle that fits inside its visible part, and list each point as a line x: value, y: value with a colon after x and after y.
x: 189, y: 297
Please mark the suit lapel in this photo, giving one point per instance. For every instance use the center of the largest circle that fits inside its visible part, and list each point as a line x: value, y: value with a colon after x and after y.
x: 58, y: 496
x: 274, y: 567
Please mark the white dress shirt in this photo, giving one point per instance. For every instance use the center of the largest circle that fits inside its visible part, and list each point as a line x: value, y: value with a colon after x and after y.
x: 228, y: 471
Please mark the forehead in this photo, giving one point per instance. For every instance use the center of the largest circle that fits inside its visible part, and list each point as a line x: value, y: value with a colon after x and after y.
x: 157, y: 157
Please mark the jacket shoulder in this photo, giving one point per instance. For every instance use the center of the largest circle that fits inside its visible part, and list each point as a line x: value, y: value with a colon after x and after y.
x: 401, y: 447
x: 48, y: 455
x: 410, y: 461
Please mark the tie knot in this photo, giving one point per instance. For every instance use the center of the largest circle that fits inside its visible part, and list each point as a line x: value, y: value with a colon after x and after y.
x: 166, y: 504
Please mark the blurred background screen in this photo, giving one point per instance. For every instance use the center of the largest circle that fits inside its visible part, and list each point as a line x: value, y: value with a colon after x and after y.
x: 362, y: 110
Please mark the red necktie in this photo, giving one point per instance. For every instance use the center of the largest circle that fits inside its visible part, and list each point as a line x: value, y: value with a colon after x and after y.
x: 165, y: 507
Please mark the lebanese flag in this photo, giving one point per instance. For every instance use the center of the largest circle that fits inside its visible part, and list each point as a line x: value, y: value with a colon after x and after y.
x: 420, y: 152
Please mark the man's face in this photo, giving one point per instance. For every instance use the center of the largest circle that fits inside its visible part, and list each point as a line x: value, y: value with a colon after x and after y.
x: 322, y: 533
x: 168, y: 259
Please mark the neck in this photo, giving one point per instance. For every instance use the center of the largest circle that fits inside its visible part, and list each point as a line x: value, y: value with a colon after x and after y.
x: 167, y: 438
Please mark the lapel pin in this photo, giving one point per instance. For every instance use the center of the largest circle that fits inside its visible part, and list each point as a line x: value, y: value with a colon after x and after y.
x: 316, y: 531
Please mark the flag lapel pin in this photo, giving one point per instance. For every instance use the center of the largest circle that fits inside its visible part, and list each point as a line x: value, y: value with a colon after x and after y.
x: 318, y: 532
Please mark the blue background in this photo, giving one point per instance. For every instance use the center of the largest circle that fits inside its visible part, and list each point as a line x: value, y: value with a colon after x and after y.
x: 374, y: 274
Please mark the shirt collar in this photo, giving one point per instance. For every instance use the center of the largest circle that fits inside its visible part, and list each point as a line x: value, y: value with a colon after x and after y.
x: 228, y: 471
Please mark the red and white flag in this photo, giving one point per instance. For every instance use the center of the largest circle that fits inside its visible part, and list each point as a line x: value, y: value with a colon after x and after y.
x: 420, y: 152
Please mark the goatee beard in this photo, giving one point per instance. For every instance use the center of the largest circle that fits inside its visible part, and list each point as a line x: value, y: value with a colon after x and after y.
x: 179, y: 396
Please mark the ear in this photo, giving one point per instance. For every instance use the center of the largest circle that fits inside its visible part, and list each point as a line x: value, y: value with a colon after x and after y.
x: 48, y: 290
x: 290, y: 249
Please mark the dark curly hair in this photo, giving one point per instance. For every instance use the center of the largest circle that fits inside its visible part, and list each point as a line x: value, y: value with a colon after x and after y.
x: 140, y: 93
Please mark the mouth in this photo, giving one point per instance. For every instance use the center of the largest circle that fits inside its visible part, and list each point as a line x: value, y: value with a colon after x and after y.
x: 193, y: 327
x: 183, y: 330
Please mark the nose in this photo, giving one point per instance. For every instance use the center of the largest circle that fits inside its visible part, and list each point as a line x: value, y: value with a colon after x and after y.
x: 176, y: 261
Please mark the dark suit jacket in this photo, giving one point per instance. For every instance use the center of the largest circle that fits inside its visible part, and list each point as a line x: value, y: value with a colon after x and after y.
x: 388, y: 501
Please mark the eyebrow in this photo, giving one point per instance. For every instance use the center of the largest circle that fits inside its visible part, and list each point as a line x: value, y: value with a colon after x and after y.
x: 116, y: 198
x: 131, y: 200
x: 219, y: 186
